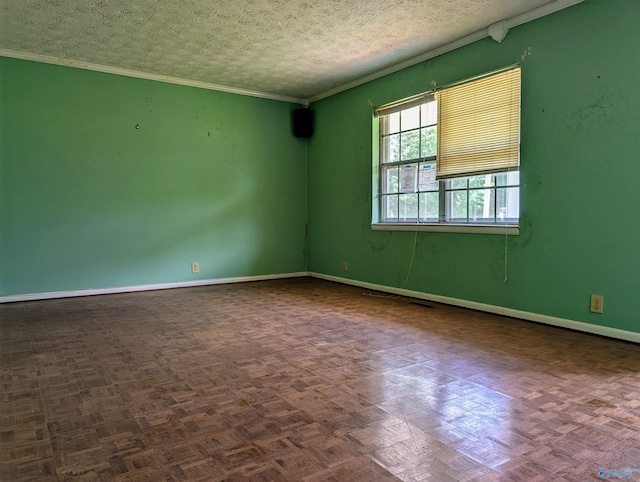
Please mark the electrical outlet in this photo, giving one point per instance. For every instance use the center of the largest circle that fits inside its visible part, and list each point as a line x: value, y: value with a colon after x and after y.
x: 597, y: 302
x: 345, y: 266
x: 195, y: 267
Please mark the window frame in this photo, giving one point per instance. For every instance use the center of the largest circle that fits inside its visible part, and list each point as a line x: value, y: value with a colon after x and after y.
x: 443, y: 222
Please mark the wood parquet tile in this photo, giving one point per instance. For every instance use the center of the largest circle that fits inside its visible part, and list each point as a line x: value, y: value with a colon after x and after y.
x: 306, y: 380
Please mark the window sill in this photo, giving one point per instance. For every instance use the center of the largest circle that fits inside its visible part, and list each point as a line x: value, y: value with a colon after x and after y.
x: 503, y: 229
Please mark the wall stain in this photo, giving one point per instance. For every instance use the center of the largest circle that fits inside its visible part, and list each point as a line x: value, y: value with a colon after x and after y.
x: 526, y: 233
x: 533, y: 183
x: 592, y: 115
x: 496, y: 266
x: 377, y: 243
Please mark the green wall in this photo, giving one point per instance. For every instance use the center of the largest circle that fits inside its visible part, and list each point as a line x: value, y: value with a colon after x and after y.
x: 580, y: 169
x: 89, y: 201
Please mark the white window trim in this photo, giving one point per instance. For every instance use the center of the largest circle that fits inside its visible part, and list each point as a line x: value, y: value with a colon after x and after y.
x: 499, y: 229
x: 442, y: 227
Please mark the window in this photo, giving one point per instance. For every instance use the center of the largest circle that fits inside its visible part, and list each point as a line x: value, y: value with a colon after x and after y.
x: 451, y: 156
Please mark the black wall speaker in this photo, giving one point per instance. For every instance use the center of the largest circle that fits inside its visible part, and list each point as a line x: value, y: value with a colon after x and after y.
x: 302, y: 122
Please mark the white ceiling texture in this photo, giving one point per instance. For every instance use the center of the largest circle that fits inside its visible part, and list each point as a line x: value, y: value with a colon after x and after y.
x: 295, y: 50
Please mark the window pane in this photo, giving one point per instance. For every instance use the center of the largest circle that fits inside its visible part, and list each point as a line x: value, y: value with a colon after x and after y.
x: 411, y: 118
x: 508, y: 204
x: 390, y: 208
x: 508, y: 178
x: 458, y: 183
x: 457, y: 206
x: 485, y: 180
x: 429, y: 206
x: 481, y: 205
x: 513, y: 178
x: 429, y: 114
x: 391, y: 180
x: 410, y: 193
x: 429, y: 141
x: 408, y: 207
x: 393, y: 123
x: 410, y: 145
x: 391, y: 148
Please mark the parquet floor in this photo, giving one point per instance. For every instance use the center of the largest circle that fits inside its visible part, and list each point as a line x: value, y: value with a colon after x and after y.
x: 306, y: 380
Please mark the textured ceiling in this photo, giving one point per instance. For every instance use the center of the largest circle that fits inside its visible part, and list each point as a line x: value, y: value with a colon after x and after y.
x: 284, y: 47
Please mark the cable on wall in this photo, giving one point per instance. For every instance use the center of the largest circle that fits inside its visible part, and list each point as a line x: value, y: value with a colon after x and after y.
x: 413, y: 254
x: 506, y: 244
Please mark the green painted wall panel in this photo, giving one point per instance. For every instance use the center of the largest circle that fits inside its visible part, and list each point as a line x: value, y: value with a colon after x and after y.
x: 89, y: 201
x: 579, y: 173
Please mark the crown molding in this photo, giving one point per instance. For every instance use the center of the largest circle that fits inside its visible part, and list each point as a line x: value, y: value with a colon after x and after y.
x: 78, y: 64
x: 547, y: 9
x: 534, y: 14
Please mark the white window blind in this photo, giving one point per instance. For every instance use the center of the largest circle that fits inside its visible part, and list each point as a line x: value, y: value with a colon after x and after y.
x: 479, y: 126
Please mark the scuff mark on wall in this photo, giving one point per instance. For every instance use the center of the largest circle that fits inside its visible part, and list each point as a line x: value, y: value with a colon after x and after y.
x: 533, y: 183
x: 378, y: 241
x: 526, y: 233
x: 598, y: 110
x: 592, y: 114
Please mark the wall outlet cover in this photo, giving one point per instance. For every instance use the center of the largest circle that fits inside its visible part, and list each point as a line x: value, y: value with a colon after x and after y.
x: 596, y: 305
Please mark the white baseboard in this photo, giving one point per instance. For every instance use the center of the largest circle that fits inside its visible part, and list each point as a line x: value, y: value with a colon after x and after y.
x: 498, y: 310
x: 150, y: 287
